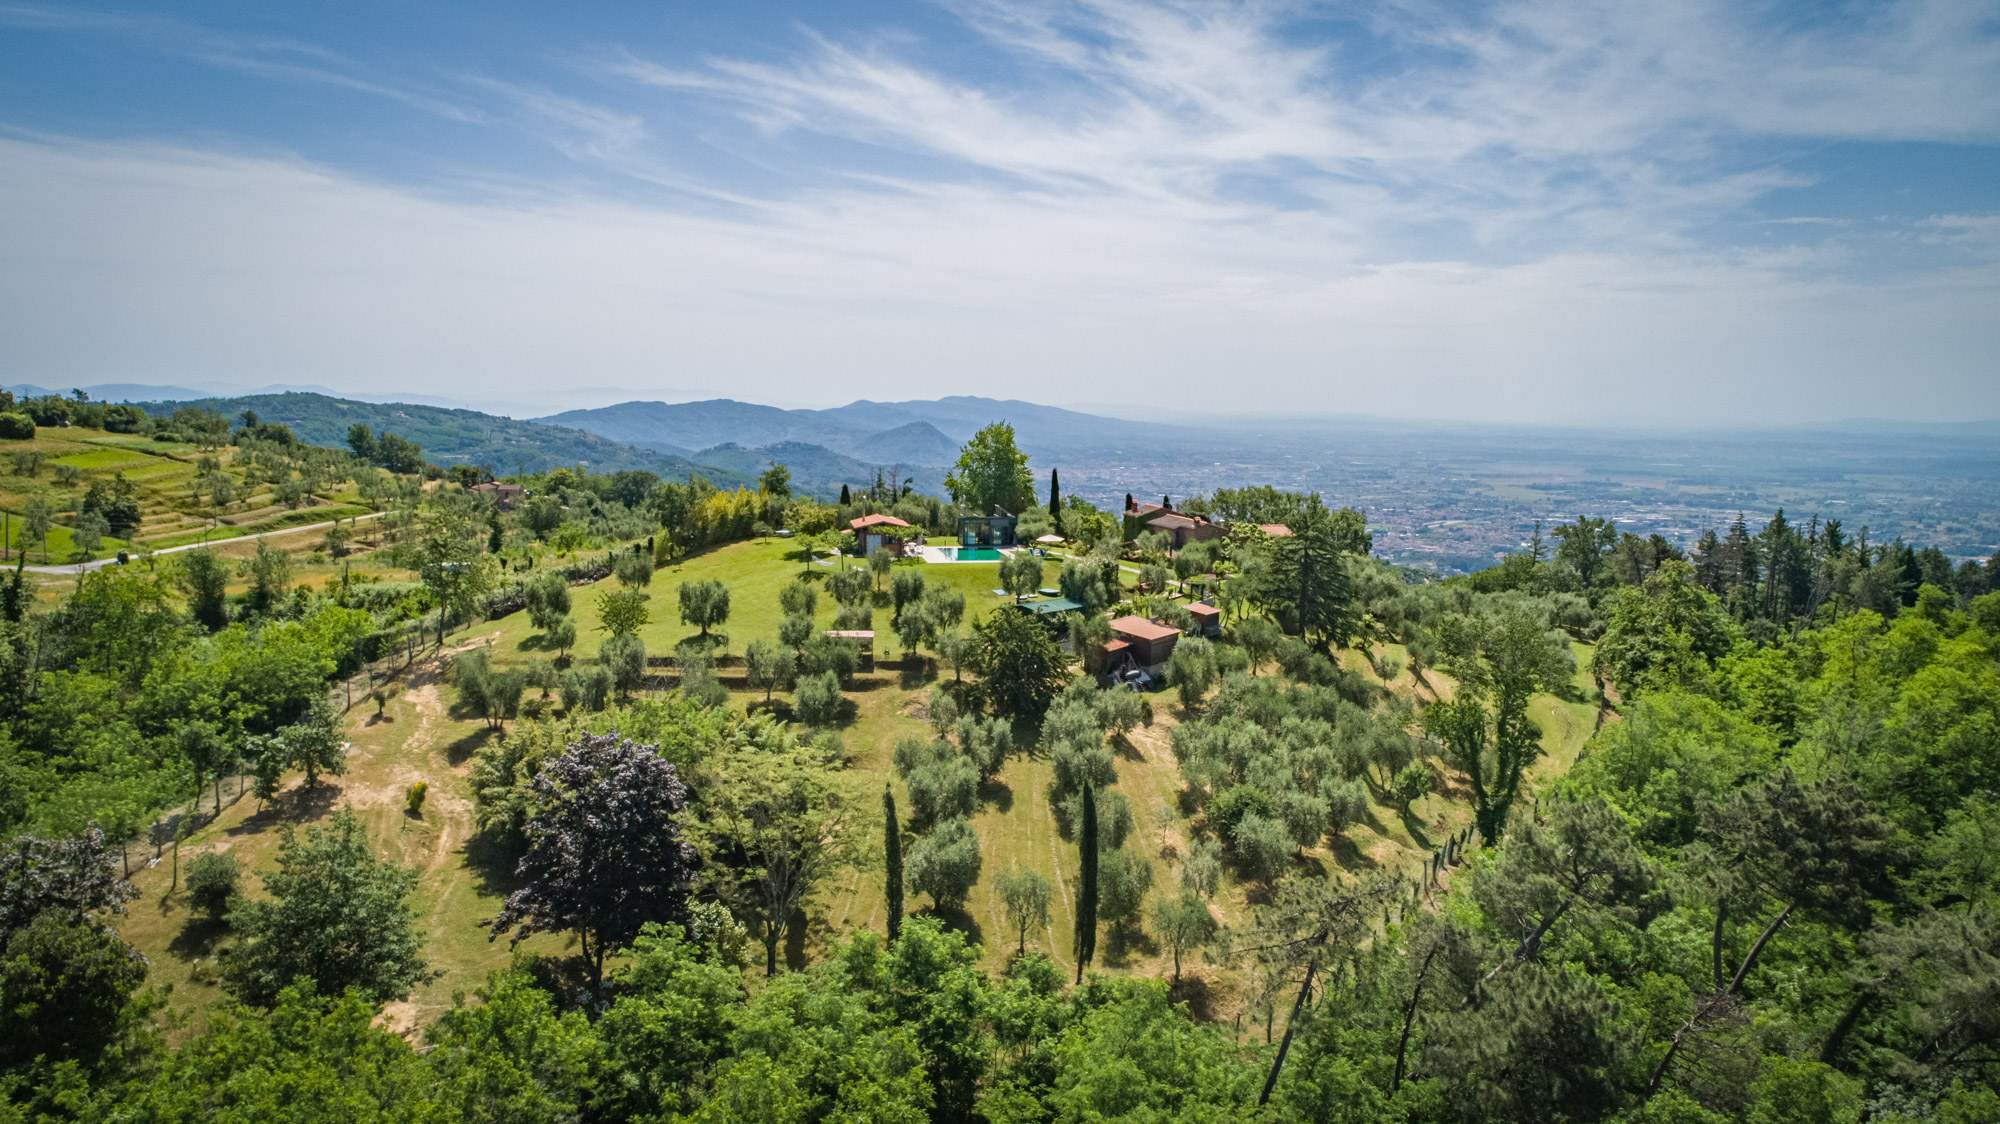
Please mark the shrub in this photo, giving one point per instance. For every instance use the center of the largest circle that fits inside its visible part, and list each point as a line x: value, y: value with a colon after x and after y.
x: 585, y: 689
x: 827, y: 655
x: 942, y: 790
x: 633, y: 570
x: 413, y: 797
x: 1114, y: 815
x: 624, y: 657
x: 1076, y: 764
x: 1123, y: 881
x: 1263, y: 845
x: 212, y: 883
x: 17, y: 427
x: 1227, y: 811
x: 818, y: 701
x: 1412, y: 784
x: 945, y: 863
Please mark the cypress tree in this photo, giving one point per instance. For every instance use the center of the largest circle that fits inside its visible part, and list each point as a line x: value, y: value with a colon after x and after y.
x: 1055, y: 498
x: 892, y: 853
x: 15, y: 598
x: 1086, y: 884
x: 844, y: 497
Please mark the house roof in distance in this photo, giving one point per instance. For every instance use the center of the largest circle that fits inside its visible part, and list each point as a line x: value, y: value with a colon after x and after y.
x: 1204, y: 612
x: 1275, y: 530
x: 867, y: 521
x: 1142, y: 629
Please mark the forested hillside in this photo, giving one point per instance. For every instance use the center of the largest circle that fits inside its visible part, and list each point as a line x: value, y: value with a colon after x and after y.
x: 602, y: 802
x: 501, y: 445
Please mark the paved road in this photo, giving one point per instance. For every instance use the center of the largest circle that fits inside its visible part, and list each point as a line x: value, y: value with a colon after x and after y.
x: 84, y: 567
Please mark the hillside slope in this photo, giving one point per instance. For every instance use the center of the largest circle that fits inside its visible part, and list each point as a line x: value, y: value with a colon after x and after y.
x: 457, y: 436
x: 816, y: 470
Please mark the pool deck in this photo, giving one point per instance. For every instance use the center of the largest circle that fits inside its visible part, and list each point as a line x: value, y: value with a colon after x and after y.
x: 942, y: 554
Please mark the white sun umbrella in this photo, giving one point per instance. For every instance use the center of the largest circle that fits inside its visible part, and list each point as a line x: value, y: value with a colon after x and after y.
x: 1050, y: 538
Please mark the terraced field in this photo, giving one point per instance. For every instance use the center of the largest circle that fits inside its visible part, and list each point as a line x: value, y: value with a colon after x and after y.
x: 61, y: 464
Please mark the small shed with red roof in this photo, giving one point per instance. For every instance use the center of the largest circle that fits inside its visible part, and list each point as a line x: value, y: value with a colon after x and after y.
x: 871, y: 531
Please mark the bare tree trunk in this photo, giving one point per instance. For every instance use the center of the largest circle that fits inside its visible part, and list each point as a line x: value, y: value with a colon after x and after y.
x: 1709, y: 1004
x: 1410, y: 1018
x: 1291, y: 1025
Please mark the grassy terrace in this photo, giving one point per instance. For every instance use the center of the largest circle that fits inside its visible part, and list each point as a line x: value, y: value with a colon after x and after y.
x: 419, y: 736
x: 162, y: 473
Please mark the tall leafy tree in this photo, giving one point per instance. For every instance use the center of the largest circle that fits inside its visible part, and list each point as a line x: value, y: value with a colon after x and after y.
x: 1022, y: 667
x: 1501, y: 661
x: 65, y: 990
x: 1585, y: 545
x: 205, y: 581
x: 449, y: 559
x: 336, y: 914
x: 1308, y: 579
x: 775, y: 825
x: 991, y: 472
x: 605, y: 853
x: 1665, y: 633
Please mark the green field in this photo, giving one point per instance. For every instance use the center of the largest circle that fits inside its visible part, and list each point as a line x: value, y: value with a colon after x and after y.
x: 419, y: 737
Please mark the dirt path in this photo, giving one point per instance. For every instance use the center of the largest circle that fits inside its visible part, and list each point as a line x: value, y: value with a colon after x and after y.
x: 100, y: 563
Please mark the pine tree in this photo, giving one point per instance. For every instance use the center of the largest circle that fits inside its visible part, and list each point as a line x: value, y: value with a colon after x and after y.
x: 892, y: 853
x: 1055, y: 498
x: 1086, y: 889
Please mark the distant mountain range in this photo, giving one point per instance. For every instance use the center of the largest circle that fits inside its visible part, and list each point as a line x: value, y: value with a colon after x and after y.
x: 454, y: 436
x: 732, y: 453
x: 921, y: 433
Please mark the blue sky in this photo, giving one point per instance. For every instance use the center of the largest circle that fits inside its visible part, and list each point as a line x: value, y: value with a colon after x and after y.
x: 1610, y: 212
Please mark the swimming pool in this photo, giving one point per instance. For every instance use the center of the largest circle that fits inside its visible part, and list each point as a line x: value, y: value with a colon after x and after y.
x: 969, y: 553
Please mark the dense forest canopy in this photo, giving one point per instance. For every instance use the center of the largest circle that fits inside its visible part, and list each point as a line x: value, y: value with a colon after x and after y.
x: 1762, y: 889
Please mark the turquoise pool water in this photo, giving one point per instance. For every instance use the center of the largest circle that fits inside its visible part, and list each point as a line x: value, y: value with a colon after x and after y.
x: 971, y: 553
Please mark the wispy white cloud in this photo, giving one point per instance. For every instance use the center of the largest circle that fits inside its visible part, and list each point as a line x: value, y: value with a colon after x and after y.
x: 272, y: 57
x: 1485, y: 211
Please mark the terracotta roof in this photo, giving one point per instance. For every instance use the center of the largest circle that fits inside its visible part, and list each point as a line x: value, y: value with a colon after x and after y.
x: 876, y: 521
x: 1172, y: 520
x: 1142, y: 629
x: 1275, y: 530
x: 1116, y: 646
x: 1145, y: 509
x: 1201, y: 610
